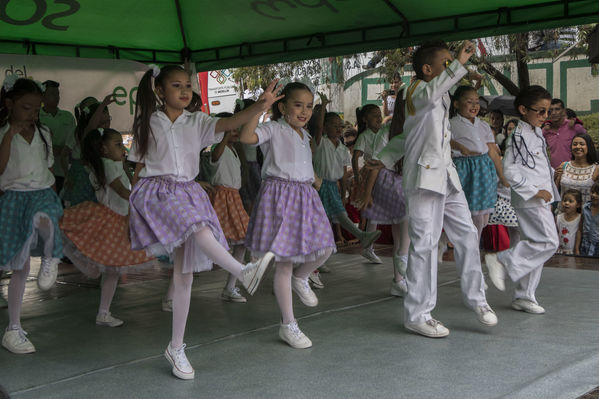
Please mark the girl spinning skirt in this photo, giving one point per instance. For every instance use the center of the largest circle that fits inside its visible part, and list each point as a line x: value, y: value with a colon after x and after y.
x: 164, y: 213
x: 97, y: 238
x: 388, y: 203
x: 231, y: 214
x: 479, y: 182
x: 21, y: 230
x: 289, y: 220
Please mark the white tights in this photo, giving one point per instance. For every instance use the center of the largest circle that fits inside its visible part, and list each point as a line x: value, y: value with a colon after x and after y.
x: 282, y: 283
x: 110, y: 280
x: 181, y: 292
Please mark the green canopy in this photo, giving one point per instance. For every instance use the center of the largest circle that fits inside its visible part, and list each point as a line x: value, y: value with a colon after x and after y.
x: 228, y: 33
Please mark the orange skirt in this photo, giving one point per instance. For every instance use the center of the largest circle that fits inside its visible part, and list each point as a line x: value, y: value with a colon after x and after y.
x: 97, y: 238
x: 231, y: 214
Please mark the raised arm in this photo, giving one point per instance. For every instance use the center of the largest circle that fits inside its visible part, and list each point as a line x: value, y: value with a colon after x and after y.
x: 252, y: 112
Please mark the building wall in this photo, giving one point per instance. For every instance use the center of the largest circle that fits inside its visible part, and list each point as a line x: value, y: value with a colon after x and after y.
x: 570, y: 78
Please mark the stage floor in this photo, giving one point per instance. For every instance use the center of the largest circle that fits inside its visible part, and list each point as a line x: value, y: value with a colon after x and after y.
x: 360, y: 347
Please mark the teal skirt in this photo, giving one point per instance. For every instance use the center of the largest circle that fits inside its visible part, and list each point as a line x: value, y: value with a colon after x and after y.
x: 331, y: 200
x: 20, y: 212
x: 479, y: 182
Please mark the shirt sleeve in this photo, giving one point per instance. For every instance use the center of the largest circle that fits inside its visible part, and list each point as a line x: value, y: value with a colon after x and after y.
x: 360, y: 144
x: 264, y: 132
x: 579, y: 128
x: 111, y: 170
x: 70, y: 141
x: 205, y: 126
x: 393, y: 151
x: 488, y: 133
x: 133, y: 154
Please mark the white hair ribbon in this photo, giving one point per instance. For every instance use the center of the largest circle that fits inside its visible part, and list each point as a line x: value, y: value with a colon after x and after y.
x: 9, y: 82
x: 155, y: 70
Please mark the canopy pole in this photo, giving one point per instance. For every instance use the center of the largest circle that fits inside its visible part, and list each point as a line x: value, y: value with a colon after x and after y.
x: 186, y: 51
x: 405, y: 23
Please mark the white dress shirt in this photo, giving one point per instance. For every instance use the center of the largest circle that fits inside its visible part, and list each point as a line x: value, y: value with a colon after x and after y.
x: 113, y: 170
x: 330, y: 161
x: 474, y: 136
x: 427, y: 163
x: 174, y: 147
x: 526, y: 167
x: 286, y: 154
x: 371, y: 143
x: 28, y: 164
x: 227, y: 170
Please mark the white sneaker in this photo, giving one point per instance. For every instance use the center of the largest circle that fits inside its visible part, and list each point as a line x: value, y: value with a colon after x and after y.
x: 399, y: 289
x: 252, y: 273
x: 527, y: 306
x: 303, y: 291
x: 233, y: 295
x: 108, y: 320
x: 314, y: 279
x: 486, y: 315
x: 16, y: 341
x: 431, y: 328
x: 47, y: 274
x: 167, y: 305
x: 181, y: 366
x: 369, y: 254
x: 496, y: 271
x: 369, y: 237
x: 400, y: 265
x: 291, y: 334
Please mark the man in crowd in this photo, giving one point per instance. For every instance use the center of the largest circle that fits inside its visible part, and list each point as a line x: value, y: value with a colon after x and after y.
x: 559, y: 132
x: 62, y: 125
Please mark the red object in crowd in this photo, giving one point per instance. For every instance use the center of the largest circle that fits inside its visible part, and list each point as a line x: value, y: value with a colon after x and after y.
x: 203, y: 80
x: 495, y: 238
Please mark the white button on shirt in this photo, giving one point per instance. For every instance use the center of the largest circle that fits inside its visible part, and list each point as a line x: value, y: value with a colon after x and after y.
x: 28, y: 164
x: 227, y: 170
x: 174, y: 147
x: 474, y: 136
x: 329, y: 161
x: 113, y: 170
x: 286, y: 154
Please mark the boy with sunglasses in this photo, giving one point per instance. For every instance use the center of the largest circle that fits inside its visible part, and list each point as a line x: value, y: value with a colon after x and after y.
x: 434, y: 195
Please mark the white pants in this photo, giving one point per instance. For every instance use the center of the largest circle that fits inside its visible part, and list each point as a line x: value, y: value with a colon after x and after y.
x: 538, y: 242
x: 428, y: 214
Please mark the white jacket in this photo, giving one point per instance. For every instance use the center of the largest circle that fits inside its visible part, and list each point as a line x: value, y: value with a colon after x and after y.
x: 526, y: 167
x: 427, y: 162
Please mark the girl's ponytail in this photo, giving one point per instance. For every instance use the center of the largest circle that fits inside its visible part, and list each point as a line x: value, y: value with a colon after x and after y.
x: 145, y: 105
x: 399, y: 116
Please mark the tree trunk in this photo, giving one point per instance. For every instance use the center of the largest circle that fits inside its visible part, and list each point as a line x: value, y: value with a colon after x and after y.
x: 521, y: 51
x: 497, y: 75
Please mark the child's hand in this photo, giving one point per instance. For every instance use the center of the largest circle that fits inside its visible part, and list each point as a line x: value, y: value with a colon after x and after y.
x: 469, y: 153
x: 473, y: 75
x: 466, y: 51
x: 317, y: 183
x: 364, y: 202
x: 323, y: 99
x: 109, y: 99
x: 505, y: 182
x: 269, y: 96
x: 544, y: 195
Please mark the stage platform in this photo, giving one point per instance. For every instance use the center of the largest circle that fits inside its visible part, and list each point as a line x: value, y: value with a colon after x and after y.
x: 361, y: 349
